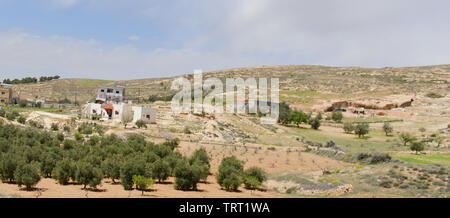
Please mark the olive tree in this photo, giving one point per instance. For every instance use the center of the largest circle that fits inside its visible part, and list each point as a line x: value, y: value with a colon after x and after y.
x: 230, y: 173
x: 27, y: 175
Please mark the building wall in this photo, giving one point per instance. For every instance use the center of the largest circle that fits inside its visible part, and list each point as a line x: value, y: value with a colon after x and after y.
x: 5, y: 95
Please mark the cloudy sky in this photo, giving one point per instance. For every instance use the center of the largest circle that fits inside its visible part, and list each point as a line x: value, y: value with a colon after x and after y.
x: 131, y: 39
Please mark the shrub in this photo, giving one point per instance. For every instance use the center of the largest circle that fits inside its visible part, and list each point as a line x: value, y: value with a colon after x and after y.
x: 141, y: 124
x: 315, y: 123
x: 23, y: 103
x: 27, y: 175
x: 379, y: 158
x: 78, y: 136
x: 361, y: 129
x: 66, y: 128
x: 230, y: 173
x: 21, y: 120
x: 2, y: 113
x: 54, y: 127
x: 10, y: 116
x: 142, y: 183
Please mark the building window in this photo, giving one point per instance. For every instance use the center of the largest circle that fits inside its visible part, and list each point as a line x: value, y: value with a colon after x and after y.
x: 147, y: 116
x: 117, y: 92
x: 117, y: 112
x: 109, y: 90
x: 2, y: 100
x: 102, y: 90
x: 3, y: 93
x: 94, y: 111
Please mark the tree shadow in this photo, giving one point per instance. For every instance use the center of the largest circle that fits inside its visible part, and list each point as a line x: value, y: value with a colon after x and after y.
x: 165, y: 182
x: 94, y: 189
x: 33, y: 189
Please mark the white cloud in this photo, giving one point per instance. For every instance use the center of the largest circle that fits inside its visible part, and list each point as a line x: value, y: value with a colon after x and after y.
x: 23, y: 55
x: 134, y: 38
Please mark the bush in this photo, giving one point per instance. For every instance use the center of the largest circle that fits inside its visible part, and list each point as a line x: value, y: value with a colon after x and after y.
x: 142, y: 183
x: 54, y: 127
x: 141, y: 124
x: 2, y: 113
x: 23, y: 103
x: 315, y: 123
x: 379, y: 158
x: 11, y: 116
x: 230, y: 173
x: 254, y: 177
x: 27, y: 175
x: 21, y: 120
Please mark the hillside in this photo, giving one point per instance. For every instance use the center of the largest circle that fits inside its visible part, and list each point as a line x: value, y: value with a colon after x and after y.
x: 296, y: 81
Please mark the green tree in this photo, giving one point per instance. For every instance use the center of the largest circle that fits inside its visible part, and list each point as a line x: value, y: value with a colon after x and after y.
x: 230, y: 173
x: 185, y: 176
x: 348, y: 127
x: 131, y: 168
x: 64, y: 171
x: 23, y: 103
x: 417, y: 146
x: 160, y: 170
x: 27, y: 175
x: 315, y: 123
x: 337, y: 116
x: 87, y: 174
x: 142, y: 183
x: 284, y: 112
x: 111, y: 168
x: 362, y: 129
x: 254, y: 177
x: 319, y: 116
x: 8, y: 164
x: 387, y: 128
x: 48, y: 163
x: 298, y: 117
x: 406, y: 138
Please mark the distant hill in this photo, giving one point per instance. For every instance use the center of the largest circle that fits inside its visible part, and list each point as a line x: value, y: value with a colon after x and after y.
x: 293, y: 79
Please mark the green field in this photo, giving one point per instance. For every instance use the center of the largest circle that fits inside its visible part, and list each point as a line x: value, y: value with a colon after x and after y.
x: 425, y: 158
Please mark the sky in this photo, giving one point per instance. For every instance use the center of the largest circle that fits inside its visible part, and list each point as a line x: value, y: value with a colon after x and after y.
x: 120, y: 40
